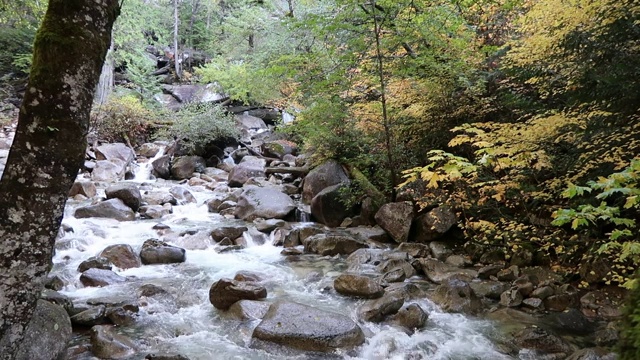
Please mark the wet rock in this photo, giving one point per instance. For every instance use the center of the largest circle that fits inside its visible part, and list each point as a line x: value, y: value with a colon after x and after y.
x: 121, y: 317
x: 85, y: 188
x: 571, y: 321
x: 492, y: 257
x: 539, y: 339
x: 100, y: 277
x: 332, y: 244
x: 359, y: 286
x: 457, y: 296
x: 182, y: 195
x: 121, y: 256
x: 225, y: 292
x: 95, y: 262
x: 489, y: 288
x: 558, y: 302
x: 245, y: 275
x: 378, y: 310
x: 231, y: 232
x: 434, y: 224
x: 595, y: 270
x: 395, y: 219
x: 524, y: 285
x: 214, y: 203
x: 47, y: 333
x: 607, y: 337
x: 266, y: 203
x: 249, y: 309
x: 159, y: 198
x: 410, y: 318
x: 149, y: 150
x: 54, y: 283
x: 155, y: 356
x: 107, y: 344
x: 511, y: 298
x: 162, y: 167
x: 248, y: 168
x: 183, y: 167
x: 90, y: 317
x: 150, y: 290
x: 439, y: 250
x: 522, y: 257
x: 543, y: 292
x: 113, y: 151
x: 155, y: 211
x: 291, y: 252
x: 307, y: 328
x: 328, y: 174
x: 127, y: 192
x: 159, y: 252
x: 458, y: 261
x: 113, y: 209
x: 55, y: 297
x: 593, y: 354
x: 439, y: 272
x: 328, y: 207
x: 415, y: 250
x: 533, y: 303
x: 509, y: 274
x: 279, y: 148
x: 267, y: 226
x: 397, y: 265
x: 104, y: 170
x: 370, y: 233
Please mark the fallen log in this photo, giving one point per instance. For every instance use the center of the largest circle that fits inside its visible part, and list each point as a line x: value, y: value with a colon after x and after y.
x: 297, y: 171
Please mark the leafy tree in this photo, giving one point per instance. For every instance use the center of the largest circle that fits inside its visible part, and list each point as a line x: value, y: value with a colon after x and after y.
x: 47, y: 152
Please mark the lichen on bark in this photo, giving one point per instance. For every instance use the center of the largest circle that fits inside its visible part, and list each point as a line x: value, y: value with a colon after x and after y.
x: 47, y: 152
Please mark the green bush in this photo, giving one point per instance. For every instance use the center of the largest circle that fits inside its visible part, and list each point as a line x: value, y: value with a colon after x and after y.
x: 123, y: 119
x: 199, y: 125
x: 17, y: 46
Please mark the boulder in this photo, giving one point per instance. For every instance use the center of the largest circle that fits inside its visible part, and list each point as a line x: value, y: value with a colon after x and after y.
x: 278, y: 148
x: 182, y: 195
x: 162, y: 167
x: 249, y: 122
x: 58, y: 299
x: 112, y: 208
x: 117, y: 151
x: 127, y: 192
x: 159, y: 198
x: 370, y: 233
x: 307, y: 328
x: 434, y: 224
x: 410, y: 318
x: 224, y: 292
x: 100, y: 277
x: 267, y: 203
x: 440, y: 250
x: 536, y: 338
x: 378, y: 310
x: 489, y: 288
x: 395, y: 219
x: 46, y: 334
x: 359, y: 286
x: 85, y: 188
x: 511, y: 298
x: 457, y: 296
x: 90, y: 317
x: 183, y: 167
x: 231, y: 232
x: 439, y: 272
x: 108, y: 170
x: 593, y: 354
x: 328, y: 174
x: 328, y: 207
x: 95, y: 262
x: 247, y: 169
x: 155, y: 211
x: 415, y: 250
x: 332, y: 244
x: 107, y: 344
x: 149, y: 150
x: 121, y: 256
x: 159, y: 252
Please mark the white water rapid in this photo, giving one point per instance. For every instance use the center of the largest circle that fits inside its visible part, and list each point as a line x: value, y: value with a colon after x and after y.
x: 184, y: 321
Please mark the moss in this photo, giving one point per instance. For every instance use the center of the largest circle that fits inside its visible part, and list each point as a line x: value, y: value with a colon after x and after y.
x: 629, y: 345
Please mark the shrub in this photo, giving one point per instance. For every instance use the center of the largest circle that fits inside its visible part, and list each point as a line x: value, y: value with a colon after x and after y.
x: 199, y: 125
x: 123, y: 119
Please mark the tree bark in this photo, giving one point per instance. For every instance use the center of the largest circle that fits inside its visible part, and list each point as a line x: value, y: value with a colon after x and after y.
x: 47, y: 152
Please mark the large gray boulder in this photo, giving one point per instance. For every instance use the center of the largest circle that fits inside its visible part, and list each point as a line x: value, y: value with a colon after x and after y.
x: 328, y: 174
x: 439, y: 272
x: 118, y: 151
x: 158, y: 252
x: 332, y: 244
x: 307, y: 328
x: 250, y: 167
x: 225, y: 292
x: 396, y: 219
x: 182, y: 195
x: 230, y: 231
x: 457, y: 296
x: 328, y: 206
x: 100, y: 277
x: 47, y: 334
x: 249, y: 122
x: 434, y: 224
x: 85, y: 188
x: 162, y: 167
x: 183, y: 167
x: 127, y: 192
x: 109, y: 170
x: 267, y: 203
x: 112, y: 209
x: 378, y: 310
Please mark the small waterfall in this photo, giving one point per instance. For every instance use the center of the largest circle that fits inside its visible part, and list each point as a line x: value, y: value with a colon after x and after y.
x: 143, y: 173
x: 303, y: 214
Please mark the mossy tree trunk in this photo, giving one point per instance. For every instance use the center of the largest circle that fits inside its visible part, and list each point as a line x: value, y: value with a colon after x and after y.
x: 47, y: 152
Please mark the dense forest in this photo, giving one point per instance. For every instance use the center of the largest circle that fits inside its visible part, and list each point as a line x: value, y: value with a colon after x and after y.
x: 521, y: 116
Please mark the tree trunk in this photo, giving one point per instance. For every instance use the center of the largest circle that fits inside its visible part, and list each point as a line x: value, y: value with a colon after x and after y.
x: 47, y: 152
x: 176, y: 57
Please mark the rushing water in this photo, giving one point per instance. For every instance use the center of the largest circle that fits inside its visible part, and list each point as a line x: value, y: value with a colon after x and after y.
x: 185, y: 322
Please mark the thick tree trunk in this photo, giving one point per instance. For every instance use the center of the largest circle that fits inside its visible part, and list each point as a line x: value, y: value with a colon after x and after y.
x: 47, y: 152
